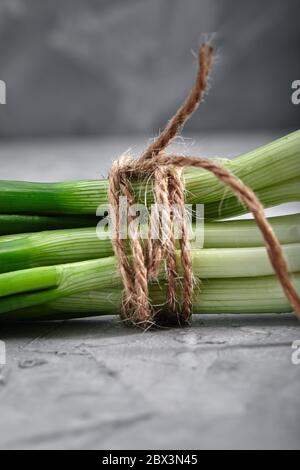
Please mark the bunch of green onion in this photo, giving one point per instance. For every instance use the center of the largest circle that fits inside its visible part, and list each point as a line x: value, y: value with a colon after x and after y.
x: 53, y: 265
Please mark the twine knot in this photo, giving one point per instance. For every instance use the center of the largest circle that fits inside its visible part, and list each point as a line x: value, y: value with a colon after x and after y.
x: 140, y: 264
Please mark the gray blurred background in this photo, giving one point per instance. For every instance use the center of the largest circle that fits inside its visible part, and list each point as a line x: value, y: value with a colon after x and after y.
x: 97, y: 67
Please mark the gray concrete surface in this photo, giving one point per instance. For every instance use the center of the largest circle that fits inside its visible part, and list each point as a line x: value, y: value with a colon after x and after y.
x: 226, y: 382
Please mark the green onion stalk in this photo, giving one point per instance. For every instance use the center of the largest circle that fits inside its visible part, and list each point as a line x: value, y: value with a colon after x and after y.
x: 16, y: 223
x: 61, y: 269
x: 214, y: 296
x: 25, y: 251
x: 37, y: 286
x: 281, y: 193
x: 271, y: 165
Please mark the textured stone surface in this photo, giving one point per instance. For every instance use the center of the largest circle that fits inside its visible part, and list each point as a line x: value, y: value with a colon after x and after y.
x: 226, y: 382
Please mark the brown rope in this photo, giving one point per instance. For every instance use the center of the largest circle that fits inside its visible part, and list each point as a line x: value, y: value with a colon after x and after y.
x: 165, y: 171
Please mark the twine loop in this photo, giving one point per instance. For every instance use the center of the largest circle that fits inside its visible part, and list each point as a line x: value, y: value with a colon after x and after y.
x: 141, y: 264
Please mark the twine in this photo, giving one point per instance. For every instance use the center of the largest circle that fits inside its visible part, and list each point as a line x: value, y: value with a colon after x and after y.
x: 143, y: 263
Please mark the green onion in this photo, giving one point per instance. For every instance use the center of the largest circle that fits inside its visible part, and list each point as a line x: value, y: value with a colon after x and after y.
x: 67, y: 271
x: 68, y: 246
x: 25, y: 288
x: 269, y: 165
x: 13, y: 223
x: 242, y: 295
x: 287, y: 191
